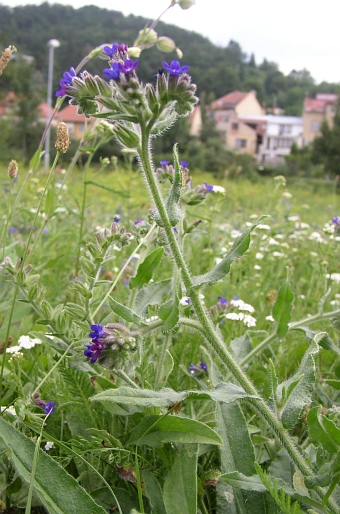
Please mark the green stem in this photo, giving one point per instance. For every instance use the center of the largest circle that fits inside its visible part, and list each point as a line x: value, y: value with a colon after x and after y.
x: 216, y: 344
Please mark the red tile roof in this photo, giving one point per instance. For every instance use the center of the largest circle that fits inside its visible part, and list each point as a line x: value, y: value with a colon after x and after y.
x: 69, y: 115
x: 228, y: 101
x: 319, y: 103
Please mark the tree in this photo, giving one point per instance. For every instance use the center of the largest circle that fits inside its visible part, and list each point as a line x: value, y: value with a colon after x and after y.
x: 326, y: 147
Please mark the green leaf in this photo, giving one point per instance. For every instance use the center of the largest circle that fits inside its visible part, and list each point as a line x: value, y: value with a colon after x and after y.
x: 325, y: 342
x: 146, y: 268
x: 169, y: 313
x: 238, y: 249
x: 49, y: 202
x: 125, y: 312
x: 152, y: 295
x: 110, y: 189
x: 172, y: 201
x: 180, y: 487
x: 241, y: 481
x: 157, y: 430
x: 323, y: 430
x: 282, y: 308
x: 153, y: 491
x: 34, y: 163
x: 50, y: 477
x: 166, y: 367
x: 223, y: 392
x: 298, y: 389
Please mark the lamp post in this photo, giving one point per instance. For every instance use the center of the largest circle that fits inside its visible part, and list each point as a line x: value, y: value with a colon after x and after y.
x: 52, y: 44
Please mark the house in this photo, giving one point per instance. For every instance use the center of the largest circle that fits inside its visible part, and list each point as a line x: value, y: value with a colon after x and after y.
x: 228, y: 112
x: 279, y: 134
x: 315, y: 112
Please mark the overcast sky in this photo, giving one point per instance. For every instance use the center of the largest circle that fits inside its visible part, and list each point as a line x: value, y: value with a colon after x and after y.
x: 295, y: 34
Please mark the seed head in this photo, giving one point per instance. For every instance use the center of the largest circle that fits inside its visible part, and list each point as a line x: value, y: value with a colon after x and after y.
x: 13, y: 169
x: 63, y: 140
x: 6, y: 57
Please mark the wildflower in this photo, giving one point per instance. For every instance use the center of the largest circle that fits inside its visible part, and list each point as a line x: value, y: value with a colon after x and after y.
x: 49, y: 407
x: 184, y: 164
x: 270, y: 318
x: 334, y: 276
x: 208, y: 187
x: 117, y: 219
x: 128, y: 67
x: 175, y: 68
x: 110, y: 51
x: 27, y: 343
x: 6, y: 57
x: 48, y: 446
x: 97, y: 332
x: 63, y: 140
x: 199, y: 369
x: 65, y: 81
x: 185, y: 301
x: 112, y: 73
x: 218, y: 189
x: 138, y: 221
x: 94, y: 350
x: 13, y: 169
x: 222, y: 301
x: 164, y: 163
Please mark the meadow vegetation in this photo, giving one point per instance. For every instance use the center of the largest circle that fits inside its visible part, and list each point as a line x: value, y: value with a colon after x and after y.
x: 169, y: 340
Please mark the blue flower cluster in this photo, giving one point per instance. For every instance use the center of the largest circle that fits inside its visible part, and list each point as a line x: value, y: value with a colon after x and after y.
x: 93, y: 351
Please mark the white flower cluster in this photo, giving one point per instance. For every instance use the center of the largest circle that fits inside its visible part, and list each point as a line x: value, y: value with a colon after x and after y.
x: 247, y: 319
x: 24, y: 343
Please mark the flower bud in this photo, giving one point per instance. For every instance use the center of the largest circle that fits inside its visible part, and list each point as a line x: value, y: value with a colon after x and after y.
x: 186, y: 4
x: 134, y: 51
x: 146, y: 37
x: 126, y: 136
x: 165, y: 44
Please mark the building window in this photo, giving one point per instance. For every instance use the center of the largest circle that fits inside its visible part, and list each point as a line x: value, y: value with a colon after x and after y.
x: 241, y: 143
x: 285, y: 130
x: 282, y: 142
x: 234, y: 126
x: 315, y: 126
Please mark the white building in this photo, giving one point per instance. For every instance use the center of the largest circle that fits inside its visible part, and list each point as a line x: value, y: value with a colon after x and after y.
x: 279, y: 134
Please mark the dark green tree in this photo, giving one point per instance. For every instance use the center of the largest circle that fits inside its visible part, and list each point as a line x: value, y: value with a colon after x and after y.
x: 326, y: 147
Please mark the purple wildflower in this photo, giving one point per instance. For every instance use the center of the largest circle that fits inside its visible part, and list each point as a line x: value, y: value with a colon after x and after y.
x: 336, y: 220
x: 138, y: 221
x: 175, y: 68
x: 48, y: 407
x: 65, y: 81
x: 128, y: 67
x: 164, y: 163
x: 203, y: 366
x: 110, y: 50
x: 209, y: 188
x: 184, y: 164
x: 97, y: 332
x: 112, y: 73
x: 192, y: 368
x: 222, y: 300
x: 175, y: 230
x: 116, y: 219
x: 93, y: 351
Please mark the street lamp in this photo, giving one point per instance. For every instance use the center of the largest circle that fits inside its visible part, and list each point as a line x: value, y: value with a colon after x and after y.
x: 52, y: 44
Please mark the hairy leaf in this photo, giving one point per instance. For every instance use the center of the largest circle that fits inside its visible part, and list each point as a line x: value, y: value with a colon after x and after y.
x: 180, y: 487
x: 146, y: 268
x: 282, y: 308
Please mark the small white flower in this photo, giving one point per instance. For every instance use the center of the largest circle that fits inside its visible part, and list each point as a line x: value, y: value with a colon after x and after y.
x: 263, y: 226
x: 270, y: 318
x: 278, y: 254
x: 235, y: 233
x: 233, y: 316
x: 257, y: 267
x: 293, y: 218
x: 316, y: 236
x: 27, y: 343
x: 249, y: 321
x: 273, y: 241
x: 259, y: 256
x: 185, y: 301
x: 151, y: 319
x: 216, y: 189
x: 48, y: 446
x: 334, y: 276
x: 287, y: 194
x: 301, y: 224
x: 13, y: 349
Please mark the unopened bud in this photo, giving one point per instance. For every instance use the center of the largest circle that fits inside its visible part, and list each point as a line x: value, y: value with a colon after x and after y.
x: 13, y: 169
x: 134, y: 51
x: 165, y: 44
x: 146, y: 37
x: 63, y: 141
x: 179, y: 53
x: 126, y: 136
x: 186, y: 4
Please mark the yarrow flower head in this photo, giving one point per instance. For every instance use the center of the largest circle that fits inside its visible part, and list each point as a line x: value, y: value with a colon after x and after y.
x: 66, y: 81
x: 175, y: 68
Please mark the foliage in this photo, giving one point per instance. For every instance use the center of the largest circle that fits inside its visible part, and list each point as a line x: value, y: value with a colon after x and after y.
x: 129, y: 381
x: 325, y: 148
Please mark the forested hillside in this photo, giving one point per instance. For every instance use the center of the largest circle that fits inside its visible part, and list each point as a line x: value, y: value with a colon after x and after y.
x: 215, y: 70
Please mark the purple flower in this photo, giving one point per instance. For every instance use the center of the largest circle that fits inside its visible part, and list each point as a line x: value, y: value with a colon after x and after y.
x: 203, y: 366
x: 65, y: 81
x: 110, y: 50
x: 48, y: 407
x: 112, y: 73
x: 336, y: 220
x: 93, y: 351
x: 96, y: 333
x: 192, y: 368
x: 209, y: 188
x: 184, y: 164
x: 116, y: 219
x: 222, y: 300
x: 175, y: 68
x: 128, y: 67
x: 175, y: 230
x: 138, y: 221
x: 164, y: 163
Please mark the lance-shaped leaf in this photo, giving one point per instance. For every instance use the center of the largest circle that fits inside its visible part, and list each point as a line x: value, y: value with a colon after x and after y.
x: 241, y: 481
x: 169, y: 313
x: 238, y: 249
x: 295, y: 393
x: 222, y: 393
x: 180, y: 487
x: 282, y: 308
x: 58, y: 491
x: 124, y: 312
x: 323, y: 430
x: 172, y: 201
x: 146, y: 268
x: 152, y: 295
x: 157, y: 430
x: 325, y: 342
